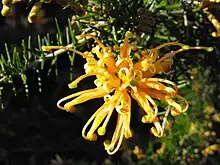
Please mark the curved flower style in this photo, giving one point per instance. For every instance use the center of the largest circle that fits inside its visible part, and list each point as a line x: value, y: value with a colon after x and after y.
x: 118, y: 79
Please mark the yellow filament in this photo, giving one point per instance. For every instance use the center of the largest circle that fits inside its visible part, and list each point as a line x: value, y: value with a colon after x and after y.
x: 124, y: 52
x: 167, y: 98
x: 164, y: 81
x: 75, y: 82
x: 170, y: 55
x: 110, y: 151
x: 75, y: 95
x: 169, y: 44
x: 117, y: 137
x: 92, y: 118
x: 97, y: 52
x: 97, y: 121
x: 175, y: 112
x: 157, y: 130
x: 108, y: 108
x: 153, y: 103
x: 123, y: 102
x: 85, y: 97
x: 95, y: 38
x: 114, y: 101
x: 160, y: 87
x: 127, y: 116
x: 144, y: 104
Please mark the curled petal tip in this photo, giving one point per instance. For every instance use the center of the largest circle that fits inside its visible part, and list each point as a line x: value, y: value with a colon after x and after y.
x: 128, y: 135
x: 156, y: 133
x: 174, y: 112
x: 92, y: 137
x: 146, y: 119
x: 107, y: 143
x: 5, y: 10
x: 69, y: 108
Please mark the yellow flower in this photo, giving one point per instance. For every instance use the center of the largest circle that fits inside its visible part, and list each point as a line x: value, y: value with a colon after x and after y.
x: 35, y: 15
x: 205, y: 4
x: 7, y: 7
x: 211, y: 149
x: 118, y: 79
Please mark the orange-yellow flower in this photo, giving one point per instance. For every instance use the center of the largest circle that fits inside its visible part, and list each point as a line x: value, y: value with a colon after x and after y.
x: 211, y: 149
x: 205, y: 6
x: 118, y: 79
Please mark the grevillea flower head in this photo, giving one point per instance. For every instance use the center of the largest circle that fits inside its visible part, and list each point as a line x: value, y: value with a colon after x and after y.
x: 118, y: 79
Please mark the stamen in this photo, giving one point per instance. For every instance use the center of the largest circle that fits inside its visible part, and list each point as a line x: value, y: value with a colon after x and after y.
x: 117, y: 136
x: 92, y: 118
x: 114, y: 100
x: 175, y: 111
x: 95, y: 38
x: 170, y: 55
x: 85, y: 97
x: 169, y: 44
x: 144, y: 104
x: 82, y: 93
x: 153, y: 103
x: 97, y: 121
x: 48, y: 48
x: 157, y: 130
x: 159, y: 86
x: 178, y: 108
x: 169, y: 90
x: 110, y: 151
x: 75, y: 82
x: 125, y: 49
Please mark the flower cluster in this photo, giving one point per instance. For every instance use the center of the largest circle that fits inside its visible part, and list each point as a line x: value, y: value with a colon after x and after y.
x: 7, y: 6
x: 211, y: 149
x: 118, y: 78
x: 205, y: 6
x: 34, y: 15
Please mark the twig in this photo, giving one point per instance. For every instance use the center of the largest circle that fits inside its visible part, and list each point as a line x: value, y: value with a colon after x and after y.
x: 165, y: 117
x: 3, y: 78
